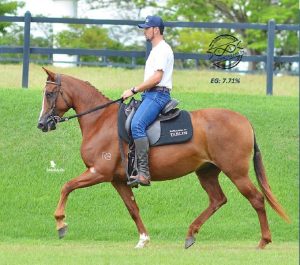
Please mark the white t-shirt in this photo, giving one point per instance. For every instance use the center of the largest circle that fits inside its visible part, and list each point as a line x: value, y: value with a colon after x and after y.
x: 161, y: 57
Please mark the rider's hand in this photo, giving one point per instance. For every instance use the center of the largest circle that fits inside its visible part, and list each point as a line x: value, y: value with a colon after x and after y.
x: 127, y: 94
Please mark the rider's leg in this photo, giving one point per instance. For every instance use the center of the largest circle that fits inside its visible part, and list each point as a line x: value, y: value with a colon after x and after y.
x: 151, y: 106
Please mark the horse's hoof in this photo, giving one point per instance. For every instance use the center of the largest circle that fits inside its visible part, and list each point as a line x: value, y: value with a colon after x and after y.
x: 144, y: 240
x: 62, y: 231
x: 263, y: 243
x: 189, y: 242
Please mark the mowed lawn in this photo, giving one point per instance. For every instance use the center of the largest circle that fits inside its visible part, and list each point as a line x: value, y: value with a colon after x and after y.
x: 166, y: 253
x: 198, y: 81
x: 100, y: 229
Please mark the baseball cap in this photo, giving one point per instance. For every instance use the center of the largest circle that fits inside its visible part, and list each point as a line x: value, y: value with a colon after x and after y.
x: 152, y: 21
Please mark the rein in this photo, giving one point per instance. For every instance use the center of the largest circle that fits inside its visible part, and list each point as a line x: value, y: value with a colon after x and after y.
x: 57, y: 119
x: 89, y: 111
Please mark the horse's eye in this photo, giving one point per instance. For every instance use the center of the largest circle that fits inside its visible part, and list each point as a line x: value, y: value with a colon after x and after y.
x: 49, y: 94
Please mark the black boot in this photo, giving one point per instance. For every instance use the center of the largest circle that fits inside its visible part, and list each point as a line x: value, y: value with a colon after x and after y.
x: 141, y: 150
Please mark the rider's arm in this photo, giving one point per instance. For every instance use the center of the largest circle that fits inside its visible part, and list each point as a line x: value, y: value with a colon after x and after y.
x: 152, y: 81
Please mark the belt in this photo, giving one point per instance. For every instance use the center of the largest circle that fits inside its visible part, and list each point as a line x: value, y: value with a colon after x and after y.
x: 160, y: 88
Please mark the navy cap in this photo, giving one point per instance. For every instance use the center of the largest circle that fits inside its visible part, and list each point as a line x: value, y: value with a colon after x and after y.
x: 152, y: 21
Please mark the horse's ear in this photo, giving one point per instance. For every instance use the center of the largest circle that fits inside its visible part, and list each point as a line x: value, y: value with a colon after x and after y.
x: 51, y: 75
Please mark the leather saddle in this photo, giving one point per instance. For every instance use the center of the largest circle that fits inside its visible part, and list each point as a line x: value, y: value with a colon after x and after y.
x: 171, y: 127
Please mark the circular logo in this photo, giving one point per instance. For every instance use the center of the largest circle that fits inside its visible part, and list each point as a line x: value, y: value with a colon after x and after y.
x: 226, y: 51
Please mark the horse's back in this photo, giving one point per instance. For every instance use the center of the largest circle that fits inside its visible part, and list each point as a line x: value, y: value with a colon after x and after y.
x: 219, y: 113
x: 220, y: 120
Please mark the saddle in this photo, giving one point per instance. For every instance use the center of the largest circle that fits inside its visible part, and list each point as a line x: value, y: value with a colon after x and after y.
x: 172, y: 126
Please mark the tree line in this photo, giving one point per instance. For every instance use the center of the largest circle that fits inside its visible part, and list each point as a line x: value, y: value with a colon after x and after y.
x: 181, y: 39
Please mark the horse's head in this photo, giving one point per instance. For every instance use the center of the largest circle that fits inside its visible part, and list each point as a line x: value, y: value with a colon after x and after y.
x: 55, y: 102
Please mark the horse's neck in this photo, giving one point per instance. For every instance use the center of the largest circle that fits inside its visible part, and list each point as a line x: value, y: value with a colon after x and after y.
x: 86, y: 97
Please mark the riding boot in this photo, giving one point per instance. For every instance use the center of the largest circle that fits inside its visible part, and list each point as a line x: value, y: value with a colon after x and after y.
x: 143, y: 175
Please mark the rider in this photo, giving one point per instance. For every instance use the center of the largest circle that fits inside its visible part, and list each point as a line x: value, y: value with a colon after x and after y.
x: 156, y: 93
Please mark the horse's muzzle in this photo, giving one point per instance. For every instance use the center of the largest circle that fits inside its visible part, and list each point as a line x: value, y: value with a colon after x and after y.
x: 47, y: 125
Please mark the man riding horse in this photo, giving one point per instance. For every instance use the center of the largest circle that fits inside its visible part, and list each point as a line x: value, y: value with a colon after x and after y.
x: 222, y: 141
x: 155, y: 94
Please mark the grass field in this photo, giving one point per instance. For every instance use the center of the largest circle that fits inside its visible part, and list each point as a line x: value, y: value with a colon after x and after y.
x: 100, y: 229
x: 87, y: 253
x: 184, y: 81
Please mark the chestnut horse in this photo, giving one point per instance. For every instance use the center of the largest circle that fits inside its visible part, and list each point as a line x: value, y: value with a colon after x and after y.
x: 222, y: 140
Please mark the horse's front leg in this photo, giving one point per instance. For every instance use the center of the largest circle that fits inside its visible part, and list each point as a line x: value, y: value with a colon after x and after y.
x: 88, y: 178
x: 129, y: 200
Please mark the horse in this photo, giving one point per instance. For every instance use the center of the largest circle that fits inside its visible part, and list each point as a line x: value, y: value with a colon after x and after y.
x: 222, y: 140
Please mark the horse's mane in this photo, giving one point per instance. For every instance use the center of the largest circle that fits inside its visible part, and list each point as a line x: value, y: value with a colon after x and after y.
x: 95, y: 89
x: 92, y: 87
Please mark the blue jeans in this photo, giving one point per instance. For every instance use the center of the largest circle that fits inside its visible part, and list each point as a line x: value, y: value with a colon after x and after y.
x: 152, y: 104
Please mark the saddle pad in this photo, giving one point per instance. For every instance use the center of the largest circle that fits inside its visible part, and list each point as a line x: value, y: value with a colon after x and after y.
x: 177, y: 130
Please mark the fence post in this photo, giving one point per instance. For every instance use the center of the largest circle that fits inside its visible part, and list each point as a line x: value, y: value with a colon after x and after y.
x: 26, y: 49
x: 270, y: 56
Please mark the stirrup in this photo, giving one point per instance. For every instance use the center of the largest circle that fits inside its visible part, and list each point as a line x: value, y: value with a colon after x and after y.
x: 135, y: 181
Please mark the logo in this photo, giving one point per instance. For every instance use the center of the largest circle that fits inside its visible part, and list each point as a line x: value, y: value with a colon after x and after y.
x: 54, y: 169
x: 52, y: 164
x: 106, y: 156
x: 179, y: 132
x: 226, y: 51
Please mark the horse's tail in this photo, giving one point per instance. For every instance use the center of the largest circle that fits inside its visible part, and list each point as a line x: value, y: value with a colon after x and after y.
x: 263, y: 183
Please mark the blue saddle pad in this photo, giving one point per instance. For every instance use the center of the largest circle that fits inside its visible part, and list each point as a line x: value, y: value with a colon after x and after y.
x: 174, y: 131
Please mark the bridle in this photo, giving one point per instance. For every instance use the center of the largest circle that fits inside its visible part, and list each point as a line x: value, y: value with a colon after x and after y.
x: 58, y: 91
x: 53, y: 117
x: 58, y: 86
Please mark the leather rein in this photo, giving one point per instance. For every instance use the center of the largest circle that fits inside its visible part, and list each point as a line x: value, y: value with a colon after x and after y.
x: 59, y: 90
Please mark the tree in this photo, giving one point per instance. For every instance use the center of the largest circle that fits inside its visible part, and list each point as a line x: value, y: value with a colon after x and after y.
x: 15, y: 37
x: 122, y: 9
x: 89, y: 37
x: 8, y: 8
x: 13, y: 34
x: 242, y: 11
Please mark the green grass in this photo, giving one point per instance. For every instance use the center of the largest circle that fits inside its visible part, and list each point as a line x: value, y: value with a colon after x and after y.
x: 189, y: 81
x: 233, y: 253
x: 100, y: 228
x: 30, y: 193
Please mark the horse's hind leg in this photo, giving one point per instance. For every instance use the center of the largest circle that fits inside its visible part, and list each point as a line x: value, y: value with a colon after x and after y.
x: 208, y: 177
x: 247, y: 188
